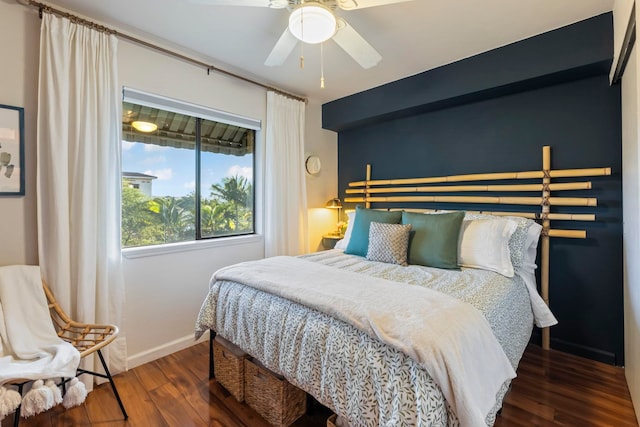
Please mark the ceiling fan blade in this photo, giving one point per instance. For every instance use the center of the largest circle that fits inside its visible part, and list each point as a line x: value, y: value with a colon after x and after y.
x: 283, y: 48
x: 356, y: 46
x: 361, y: 4
x: 276, y: 4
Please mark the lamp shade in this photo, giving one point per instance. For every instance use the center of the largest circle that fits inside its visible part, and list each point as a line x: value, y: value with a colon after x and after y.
x: 312, y: 23
x: 334, y: 204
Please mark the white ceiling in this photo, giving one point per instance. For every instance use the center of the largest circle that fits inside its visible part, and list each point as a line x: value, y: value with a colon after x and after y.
x: 411, y: 37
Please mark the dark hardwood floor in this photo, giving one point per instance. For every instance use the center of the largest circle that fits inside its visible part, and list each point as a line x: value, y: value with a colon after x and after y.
x: 552, y: 389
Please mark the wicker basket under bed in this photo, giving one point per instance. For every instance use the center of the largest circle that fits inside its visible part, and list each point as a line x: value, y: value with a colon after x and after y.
x: 278, y: 401
x: 228, y: 365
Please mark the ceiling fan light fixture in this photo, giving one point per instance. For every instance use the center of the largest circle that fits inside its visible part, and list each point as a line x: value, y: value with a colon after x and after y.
x: 144, y: 126
x: 312, y: 23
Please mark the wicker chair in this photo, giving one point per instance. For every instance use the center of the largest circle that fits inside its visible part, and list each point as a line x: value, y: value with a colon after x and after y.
x: 86, y: 338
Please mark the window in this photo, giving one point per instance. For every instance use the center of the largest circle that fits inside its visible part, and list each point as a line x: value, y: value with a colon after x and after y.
x: 188, y: 172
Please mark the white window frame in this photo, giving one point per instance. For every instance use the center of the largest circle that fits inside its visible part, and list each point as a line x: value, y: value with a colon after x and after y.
x: 147, y: 99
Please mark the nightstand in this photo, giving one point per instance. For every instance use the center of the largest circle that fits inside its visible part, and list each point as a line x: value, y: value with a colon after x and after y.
x: 330, y: 240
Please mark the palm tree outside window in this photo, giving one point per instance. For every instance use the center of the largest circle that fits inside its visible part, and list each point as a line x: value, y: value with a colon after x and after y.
x: 199, y: 178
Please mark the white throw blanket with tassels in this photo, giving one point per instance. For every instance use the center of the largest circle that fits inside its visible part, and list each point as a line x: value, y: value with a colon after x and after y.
x: 30, y: 349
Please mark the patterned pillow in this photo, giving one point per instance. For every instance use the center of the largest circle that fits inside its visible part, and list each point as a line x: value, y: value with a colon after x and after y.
x: 388, y: 242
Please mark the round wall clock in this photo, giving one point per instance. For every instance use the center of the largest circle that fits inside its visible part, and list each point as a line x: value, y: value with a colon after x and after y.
x: 313, y: 165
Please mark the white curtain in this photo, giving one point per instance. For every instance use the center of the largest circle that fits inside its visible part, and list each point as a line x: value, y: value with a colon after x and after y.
x: 79, y: 176
x: 285, y: 187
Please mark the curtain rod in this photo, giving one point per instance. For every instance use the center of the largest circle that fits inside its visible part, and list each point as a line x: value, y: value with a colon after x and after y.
x: 74, y: 18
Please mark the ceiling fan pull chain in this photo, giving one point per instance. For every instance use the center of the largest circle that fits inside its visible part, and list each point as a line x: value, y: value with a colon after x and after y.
x: 321, y: 65
x: 302, y: 34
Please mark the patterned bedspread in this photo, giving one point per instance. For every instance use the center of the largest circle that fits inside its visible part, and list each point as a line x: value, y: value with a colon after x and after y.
x: 360, y: 378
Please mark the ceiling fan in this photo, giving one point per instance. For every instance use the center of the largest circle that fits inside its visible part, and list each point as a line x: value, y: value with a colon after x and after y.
x: 315, y: 21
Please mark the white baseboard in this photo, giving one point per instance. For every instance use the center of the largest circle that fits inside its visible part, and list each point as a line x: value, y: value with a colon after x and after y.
x: 163, y: 350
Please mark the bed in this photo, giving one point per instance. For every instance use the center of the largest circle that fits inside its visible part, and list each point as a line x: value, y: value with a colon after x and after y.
x: 344, y: 325
x: 320, y: 353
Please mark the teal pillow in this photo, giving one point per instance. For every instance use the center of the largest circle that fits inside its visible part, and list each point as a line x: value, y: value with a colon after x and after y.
x: 359, y: 241
x: 435, y: 238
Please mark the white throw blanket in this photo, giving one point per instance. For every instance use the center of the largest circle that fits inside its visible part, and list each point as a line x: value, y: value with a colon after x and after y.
x: 30, y: 349
x: 29, y: 346
x: 450, y: 339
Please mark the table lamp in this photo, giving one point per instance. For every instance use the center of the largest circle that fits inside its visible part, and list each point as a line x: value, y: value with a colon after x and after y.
x: 335, y: 204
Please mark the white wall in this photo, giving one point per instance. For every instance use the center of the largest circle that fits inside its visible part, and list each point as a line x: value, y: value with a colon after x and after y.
x: 324, y: 185
x: 630, y: 196
x: 19, y: 30
x: 163, y: 291
x: 631, y: 221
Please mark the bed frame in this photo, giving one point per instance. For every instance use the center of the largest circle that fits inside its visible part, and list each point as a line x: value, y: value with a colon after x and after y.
x: 414, y: 190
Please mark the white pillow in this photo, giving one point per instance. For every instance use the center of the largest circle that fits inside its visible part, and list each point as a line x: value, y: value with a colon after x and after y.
x: 342, y: 244
x: 484, y: 244
x: 520, y: 240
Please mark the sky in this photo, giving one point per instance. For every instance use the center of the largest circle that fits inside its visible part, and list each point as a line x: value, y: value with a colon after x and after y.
x: 175, y: 167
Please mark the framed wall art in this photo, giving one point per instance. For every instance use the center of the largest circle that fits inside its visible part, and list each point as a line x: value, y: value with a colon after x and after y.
x: 11, y: 151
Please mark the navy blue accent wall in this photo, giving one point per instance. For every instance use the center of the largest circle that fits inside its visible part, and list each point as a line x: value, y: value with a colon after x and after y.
x: 501, y: 126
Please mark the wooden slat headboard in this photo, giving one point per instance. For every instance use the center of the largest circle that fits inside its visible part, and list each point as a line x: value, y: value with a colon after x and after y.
x: 421, y: 190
